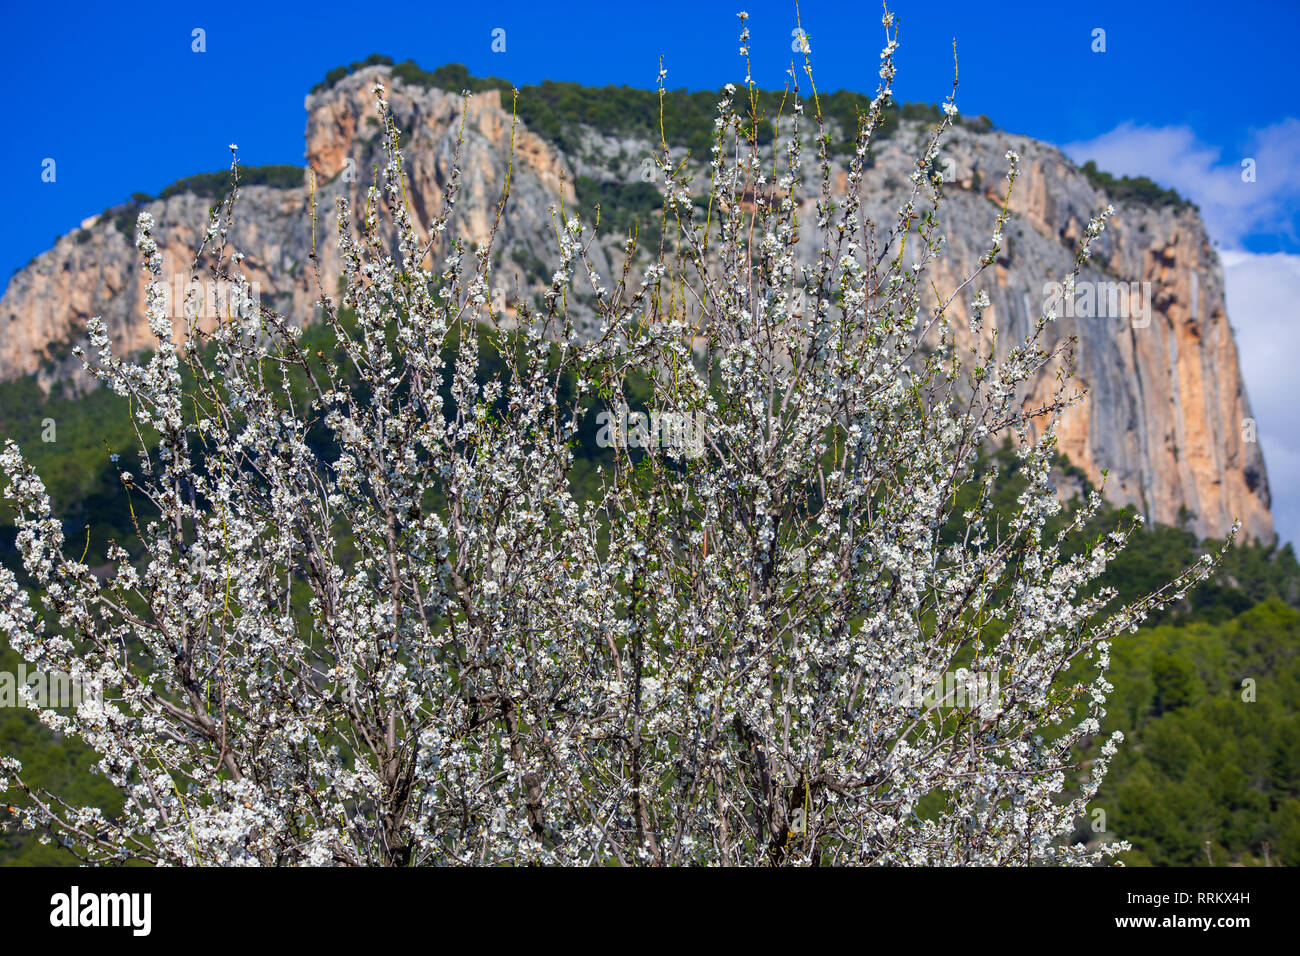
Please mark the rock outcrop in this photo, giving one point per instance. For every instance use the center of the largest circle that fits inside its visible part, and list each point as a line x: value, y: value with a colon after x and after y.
x: 1166, y: 412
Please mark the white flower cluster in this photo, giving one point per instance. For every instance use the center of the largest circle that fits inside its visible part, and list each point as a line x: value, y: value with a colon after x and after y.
x: 411, y: 643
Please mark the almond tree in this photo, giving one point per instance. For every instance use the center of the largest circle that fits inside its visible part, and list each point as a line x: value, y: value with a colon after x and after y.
x: 414, y: 642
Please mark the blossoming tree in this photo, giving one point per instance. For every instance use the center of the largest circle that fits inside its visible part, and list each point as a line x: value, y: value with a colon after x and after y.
x: 411, y: 641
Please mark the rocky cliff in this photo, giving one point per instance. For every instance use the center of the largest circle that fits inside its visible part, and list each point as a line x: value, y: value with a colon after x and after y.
x: 1166, y: 412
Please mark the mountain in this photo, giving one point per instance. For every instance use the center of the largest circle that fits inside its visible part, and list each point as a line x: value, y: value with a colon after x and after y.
x: 1165, y: 415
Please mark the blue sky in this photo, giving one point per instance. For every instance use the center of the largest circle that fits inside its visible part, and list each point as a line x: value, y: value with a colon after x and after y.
x: 1183, y: 92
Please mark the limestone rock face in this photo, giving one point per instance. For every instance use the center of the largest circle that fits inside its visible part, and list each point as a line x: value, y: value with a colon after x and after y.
x: 1165, y: 413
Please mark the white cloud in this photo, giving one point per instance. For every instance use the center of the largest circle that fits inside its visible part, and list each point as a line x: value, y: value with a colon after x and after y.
x: 1262, y: 289
x: 1211, y: 177
x: 1263, y: 293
